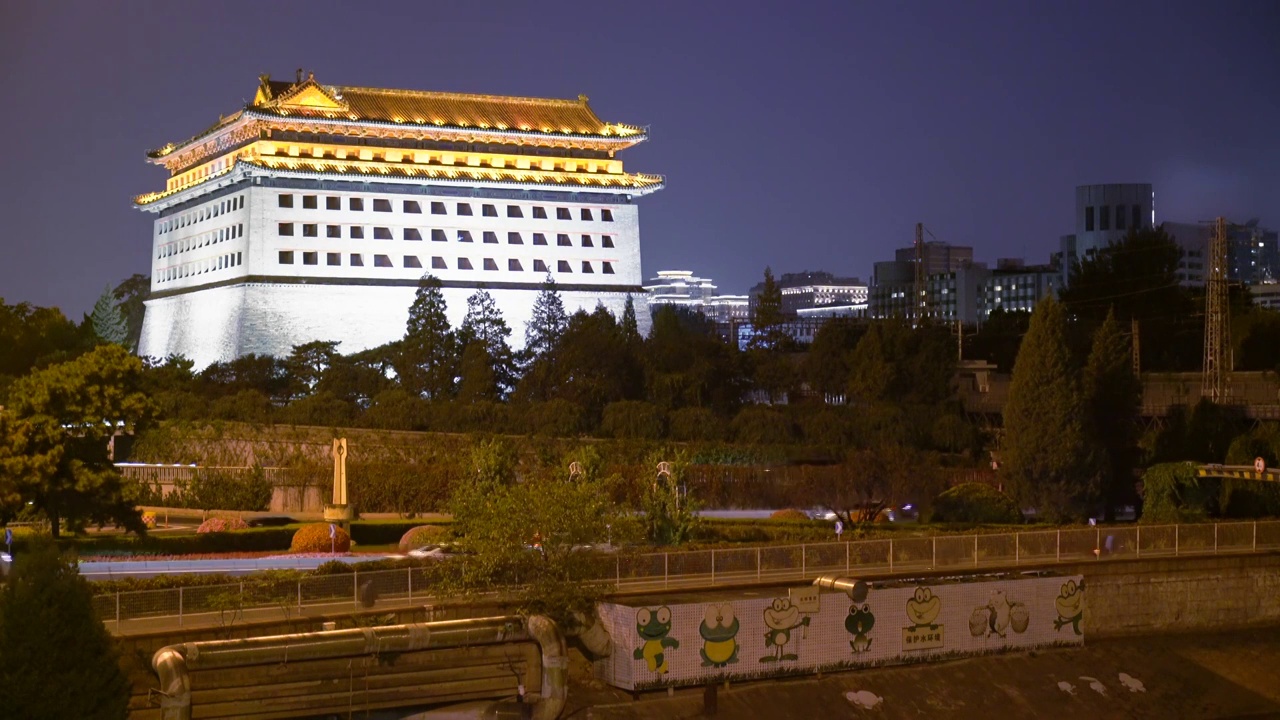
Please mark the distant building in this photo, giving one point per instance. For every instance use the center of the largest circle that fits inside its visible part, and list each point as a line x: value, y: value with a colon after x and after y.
x: 1266, y: 295
x: 1105, y: 214
x: 1016, y: 286
x: 1253, y: 252
x: 952, y: 282
x: 812, y: 294
x: 683, y: 289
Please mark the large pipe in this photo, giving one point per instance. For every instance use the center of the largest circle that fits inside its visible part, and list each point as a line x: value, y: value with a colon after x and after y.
x: 174, y: 662
x: 592, y: 633
x: 856, y: 589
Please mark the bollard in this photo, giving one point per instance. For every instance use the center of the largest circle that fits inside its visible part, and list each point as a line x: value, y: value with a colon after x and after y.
x: 890, y: 554
x: 179, y: 607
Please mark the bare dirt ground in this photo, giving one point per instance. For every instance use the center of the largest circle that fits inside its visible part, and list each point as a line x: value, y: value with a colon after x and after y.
x: 1220, y: 675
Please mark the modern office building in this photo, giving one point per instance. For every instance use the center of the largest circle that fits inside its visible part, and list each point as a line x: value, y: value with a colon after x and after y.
x: 1253, y: 252
x: 1016, y: 287
x: 952, y: 280
x: 312, y: 212
x: 1104, y: 214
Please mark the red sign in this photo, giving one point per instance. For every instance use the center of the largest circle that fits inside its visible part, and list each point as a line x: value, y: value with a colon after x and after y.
x: 1260, y: 465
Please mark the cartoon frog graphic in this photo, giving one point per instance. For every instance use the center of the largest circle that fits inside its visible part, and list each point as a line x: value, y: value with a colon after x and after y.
x: 653, y: 626
x: 719, y: 629
x: 1070, y: 606
x: 923, y: 608
x: 859, y: 622
x: 781, y: 617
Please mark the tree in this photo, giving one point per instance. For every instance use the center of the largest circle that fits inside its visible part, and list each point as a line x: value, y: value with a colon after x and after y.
x: 766, y: 316
x: 829, y: 363
x: 544, y: 328
x: 485, y: 328
x: 54, y: 440
x: 630, y: 327
x: 307, y: 363
x: 871, y: 480
x: 1114, y: 395
x: 592, y: 366
x: 36, y: 337
x: 131, y: 296
x: 108, y: 323
x: 1046, y: 457
x: 59, y: 661
x: 428, y: 356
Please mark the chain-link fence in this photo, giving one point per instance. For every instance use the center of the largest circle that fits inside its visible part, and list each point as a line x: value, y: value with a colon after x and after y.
x: 258, y: 599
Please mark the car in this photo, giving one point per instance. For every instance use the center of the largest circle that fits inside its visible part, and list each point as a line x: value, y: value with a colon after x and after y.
x: 435, y: 552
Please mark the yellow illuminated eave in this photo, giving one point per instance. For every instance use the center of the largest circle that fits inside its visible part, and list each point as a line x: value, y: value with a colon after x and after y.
x: 366, y: 169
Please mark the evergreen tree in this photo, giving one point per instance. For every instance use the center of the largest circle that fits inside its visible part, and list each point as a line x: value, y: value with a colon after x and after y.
x: 59, y: 661
x: 630, y: 328
x: 544, y: 329
x: 428, y: 354
x: 108, y: 323
x: 484, y: 326
x: 766, y: 316
x: 1114, y: 395
x: 1046, y: 456
x: 131, y: 296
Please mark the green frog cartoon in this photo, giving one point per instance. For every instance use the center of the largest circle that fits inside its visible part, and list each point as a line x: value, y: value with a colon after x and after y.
x: 653, y: 626
x: 1070, y: 606
x: 781, y: 617
x: 719, y: 631
x: 858, y: 623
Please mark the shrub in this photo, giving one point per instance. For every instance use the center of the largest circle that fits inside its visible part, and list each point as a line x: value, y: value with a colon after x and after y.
x: 221, y: 524
x: 314, y: 538
x: 382, y: 532
x: 975, y: 503
x: 695, y: 423
x: 59, y: 661
x: 789, y: 514
x: 553, y: 418
x: 1172, y: 493
x: 632, y: 420
x: 761, y: 426
x: 422, y: 535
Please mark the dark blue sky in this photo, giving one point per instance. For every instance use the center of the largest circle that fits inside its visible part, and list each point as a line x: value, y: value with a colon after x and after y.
x: 792, y: 134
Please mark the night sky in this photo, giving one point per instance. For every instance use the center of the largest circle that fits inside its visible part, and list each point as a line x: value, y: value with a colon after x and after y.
x: 798, y: 135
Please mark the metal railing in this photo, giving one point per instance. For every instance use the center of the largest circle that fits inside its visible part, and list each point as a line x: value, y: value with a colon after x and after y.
x: 257, y: 599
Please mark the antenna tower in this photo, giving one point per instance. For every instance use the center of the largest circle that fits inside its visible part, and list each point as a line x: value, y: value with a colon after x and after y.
x: 920, y: 309
x: 1217, y: 328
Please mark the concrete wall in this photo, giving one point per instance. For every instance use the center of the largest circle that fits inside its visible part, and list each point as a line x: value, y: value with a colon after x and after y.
x: 1182, y: 594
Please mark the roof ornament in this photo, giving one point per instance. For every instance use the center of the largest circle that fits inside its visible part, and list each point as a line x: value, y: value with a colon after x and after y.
x: 299, y: 76
x: 582, y: 98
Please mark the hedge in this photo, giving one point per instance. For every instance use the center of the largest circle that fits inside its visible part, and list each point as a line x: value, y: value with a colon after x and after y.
x: 974, y: 503
x: 320, y: 537
x: 388, y: 532
x: 251, y: 540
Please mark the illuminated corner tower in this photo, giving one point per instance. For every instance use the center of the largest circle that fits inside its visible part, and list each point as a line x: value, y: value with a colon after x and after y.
x: 312, y: 212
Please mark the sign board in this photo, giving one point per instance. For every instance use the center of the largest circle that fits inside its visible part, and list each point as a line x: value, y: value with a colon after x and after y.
x: 805, y: 599
x: 333, y: 531
x: 1259, y: 465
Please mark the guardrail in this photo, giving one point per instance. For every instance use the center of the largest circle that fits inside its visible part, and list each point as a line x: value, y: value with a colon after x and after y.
x: 258, y: 599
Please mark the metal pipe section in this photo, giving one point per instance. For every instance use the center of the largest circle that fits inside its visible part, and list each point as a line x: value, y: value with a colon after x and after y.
x: 593, y: 635
x: 173, y: 663
x: 853, y: 587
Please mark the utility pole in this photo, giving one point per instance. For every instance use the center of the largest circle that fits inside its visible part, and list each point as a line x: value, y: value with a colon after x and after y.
x: 959, y: 341
x: 1137, y: 355
x: 1217, y: 327
x: 921, y: 307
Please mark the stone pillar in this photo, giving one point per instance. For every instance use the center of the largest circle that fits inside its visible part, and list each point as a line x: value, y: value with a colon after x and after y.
x: 340, y: 511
